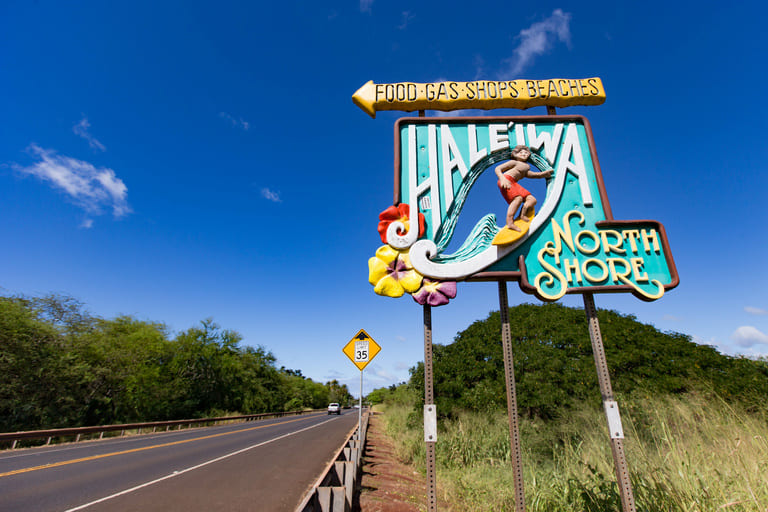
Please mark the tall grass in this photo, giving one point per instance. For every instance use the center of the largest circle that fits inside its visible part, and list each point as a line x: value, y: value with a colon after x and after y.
x: 689, y: 453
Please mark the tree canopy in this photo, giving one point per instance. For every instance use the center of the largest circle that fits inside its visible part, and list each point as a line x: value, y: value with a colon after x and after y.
x: 62, y: 367
x: 554, y: 365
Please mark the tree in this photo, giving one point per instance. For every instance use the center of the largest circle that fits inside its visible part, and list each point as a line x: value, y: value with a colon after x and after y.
x: 41, y: 380
x: 554, y: 366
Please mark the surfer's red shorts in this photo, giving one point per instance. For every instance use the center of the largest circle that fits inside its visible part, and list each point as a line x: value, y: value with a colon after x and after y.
x: 514, y: 190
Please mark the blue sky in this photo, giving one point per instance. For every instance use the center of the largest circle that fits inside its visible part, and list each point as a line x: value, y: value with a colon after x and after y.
x: 183, y: 160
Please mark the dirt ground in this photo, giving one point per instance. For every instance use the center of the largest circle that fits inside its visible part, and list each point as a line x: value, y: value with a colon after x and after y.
x: 387, y: 484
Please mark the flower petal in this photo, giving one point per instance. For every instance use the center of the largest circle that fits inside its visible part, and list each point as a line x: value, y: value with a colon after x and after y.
x: 421, y: 295
x: 389, y: 287
x: 376, y: 270
x: 411, y: 281
x: 387, y: 254
x: 390, y: 214
x: 405, y: 257
x: 437, y: 299
x: 448, y: 288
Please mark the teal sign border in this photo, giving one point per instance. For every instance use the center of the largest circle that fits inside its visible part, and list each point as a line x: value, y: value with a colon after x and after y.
x: 579, y: 248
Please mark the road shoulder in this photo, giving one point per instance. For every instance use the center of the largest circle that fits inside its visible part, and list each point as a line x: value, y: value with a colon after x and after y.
x: 388, y: 485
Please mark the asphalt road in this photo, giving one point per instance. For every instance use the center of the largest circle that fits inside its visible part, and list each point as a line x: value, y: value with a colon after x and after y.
x: 257, y: 466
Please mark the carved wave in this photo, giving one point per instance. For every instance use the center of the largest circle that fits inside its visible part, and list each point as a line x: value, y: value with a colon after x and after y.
x: 479, y: 239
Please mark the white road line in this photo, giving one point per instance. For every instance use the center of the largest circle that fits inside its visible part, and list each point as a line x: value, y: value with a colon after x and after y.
x: 116, y: 441
x: 181, y: 472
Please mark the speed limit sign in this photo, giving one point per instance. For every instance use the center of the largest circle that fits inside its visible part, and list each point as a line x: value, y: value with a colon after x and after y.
x: 361, y: 349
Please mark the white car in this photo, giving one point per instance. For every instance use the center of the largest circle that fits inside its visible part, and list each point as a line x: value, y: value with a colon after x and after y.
x: 334, y: 408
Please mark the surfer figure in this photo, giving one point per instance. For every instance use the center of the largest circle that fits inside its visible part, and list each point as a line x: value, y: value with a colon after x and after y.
x: 509, y: 173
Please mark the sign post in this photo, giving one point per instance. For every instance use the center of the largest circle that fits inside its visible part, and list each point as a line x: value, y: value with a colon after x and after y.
x: 430, y: 412
x: 361, y: 349
x: 509, y: 374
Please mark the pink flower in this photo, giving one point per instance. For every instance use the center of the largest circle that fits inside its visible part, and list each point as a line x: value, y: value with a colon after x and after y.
x: 435, y: 293
x: 398, y: 213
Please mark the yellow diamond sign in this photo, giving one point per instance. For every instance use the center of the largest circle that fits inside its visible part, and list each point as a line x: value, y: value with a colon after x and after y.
x: 361, y: 349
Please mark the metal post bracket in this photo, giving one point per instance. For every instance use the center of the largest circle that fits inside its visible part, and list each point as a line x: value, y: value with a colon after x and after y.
x: 614, y: 419
x: 430, y: 423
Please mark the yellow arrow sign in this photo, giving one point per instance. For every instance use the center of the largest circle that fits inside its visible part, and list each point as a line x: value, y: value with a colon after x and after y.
x: 482, y: 94
x: 361, y: 349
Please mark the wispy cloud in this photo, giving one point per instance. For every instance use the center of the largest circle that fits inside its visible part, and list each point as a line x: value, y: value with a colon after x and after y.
x: 705, y: 341
x: 756, y: 311
x: 537, y: 40
x: 406, y: 19
x: 91, y: 188
x: 748, y: 336
x: 271, y: 195
x: 380, y: 372
x: 365, y: 5
x: 81, y: 129
x: 237, y: 122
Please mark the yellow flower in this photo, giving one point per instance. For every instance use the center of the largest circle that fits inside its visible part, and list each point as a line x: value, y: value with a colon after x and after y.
x: 391, y: 273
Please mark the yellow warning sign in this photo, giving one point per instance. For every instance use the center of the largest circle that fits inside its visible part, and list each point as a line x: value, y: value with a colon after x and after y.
x: 361, y: 349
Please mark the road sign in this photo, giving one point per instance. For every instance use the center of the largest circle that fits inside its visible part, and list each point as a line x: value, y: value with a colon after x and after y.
x: 361, y: 349
x: 484, y: 94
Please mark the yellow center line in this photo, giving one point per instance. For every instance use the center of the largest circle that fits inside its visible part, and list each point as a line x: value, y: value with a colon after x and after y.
x: 134, y: 450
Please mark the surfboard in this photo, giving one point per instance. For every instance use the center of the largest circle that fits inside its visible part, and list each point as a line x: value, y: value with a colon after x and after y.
x: 507, y: 236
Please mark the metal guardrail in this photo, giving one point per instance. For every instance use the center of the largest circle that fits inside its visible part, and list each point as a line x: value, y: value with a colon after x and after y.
x: 335, y: 489
x: 78, y: 432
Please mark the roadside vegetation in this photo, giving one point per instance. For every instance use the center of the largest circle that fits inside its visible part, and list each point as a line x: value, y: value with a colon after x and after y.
x: 62, y: 367
x: 695, y: 421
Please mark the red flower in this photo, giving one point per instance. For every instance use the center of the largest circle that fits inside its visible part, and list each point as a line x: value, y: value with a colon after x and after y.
x: 398, y: 213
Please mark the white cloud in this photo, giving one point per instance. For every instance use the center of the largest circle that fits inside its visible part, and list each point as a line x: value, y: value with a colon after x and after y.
x: 365, y: 5
x: 81, y: 129
x: 380, y: 372
x: 87, y: 224
x: 537, y: 40
x: 407, y: 18
x: 237, y: 122
x: 271, y: 195
x: 755, y: 311
x: 748, y: 336
x: 89, y: 187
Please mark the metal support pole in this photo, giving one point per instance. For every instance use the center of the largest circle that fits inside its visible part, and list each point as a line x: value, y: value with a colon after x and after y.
x: 360, y: 409
x: 509, y: 374
x: 610, y: 406
x: 430, y: 414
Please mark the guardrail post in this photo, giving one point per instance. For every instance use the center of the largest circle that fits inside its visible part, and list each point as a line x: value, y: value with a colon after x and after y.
x: 350, y: 476
x: 338, y: 500
x: 324, y: 498
x: 335, y: 489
